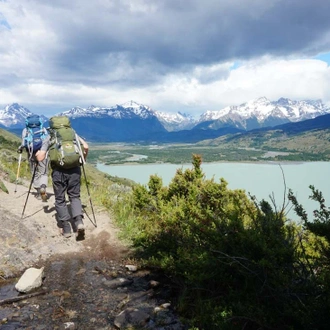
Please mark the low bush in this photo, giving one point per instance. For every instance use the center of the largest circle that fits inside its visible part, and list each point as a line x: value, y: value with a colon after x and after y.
x: 237, y: 263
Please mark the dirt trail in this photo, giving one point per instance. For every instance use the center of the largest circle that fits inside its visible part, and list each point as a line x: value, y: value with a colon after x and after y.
x: 87, y: 285
x: 36, y: 235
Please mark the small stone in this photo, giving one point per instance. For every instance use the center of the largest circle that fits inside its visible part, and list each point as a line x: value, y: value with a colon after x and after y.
x: 69, y: 325
x: 166, y: 305
x: 116, y: 283
x: 153, y: 284
x: 131, y: 268
x: 131, y: 317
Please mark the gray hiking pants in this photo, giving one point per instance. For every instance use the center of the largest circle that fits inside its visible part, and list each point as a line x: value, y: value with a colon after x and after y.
x: 41, y: 173
x: 67, y: 182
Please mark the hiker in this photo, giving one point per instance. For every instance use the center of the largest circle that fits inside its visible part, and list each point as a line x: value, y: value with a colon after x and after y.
x: 67, y: 152
x: 32, y: 137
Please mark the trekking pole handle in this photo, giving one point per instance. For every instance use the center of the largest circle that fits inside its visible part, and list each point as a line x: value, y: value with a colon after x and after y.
x: 19, y: 165
x: 18, y: 168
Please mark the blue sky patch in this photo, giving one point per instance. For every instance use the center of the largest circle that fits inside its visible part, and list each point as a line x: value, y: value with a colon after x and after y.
x: 4, y: 22
x: 236, y: 65
x: 324, y: 57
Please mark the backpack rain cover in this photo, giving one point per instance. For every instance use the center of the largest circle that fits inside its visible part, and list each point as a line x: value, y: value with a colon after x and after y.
x: 35, y: 133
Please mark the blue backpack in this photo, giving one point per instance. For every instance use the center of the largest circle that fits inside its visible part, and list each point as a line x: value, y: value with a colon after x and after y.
x: 35, y: 133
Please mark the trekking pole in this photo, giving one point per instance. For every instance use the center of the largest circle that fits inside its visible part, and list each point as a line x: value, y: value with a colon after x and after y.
x: 18, y: 168
x: 27, y: 197
x: 90, y: 199
x: 83, y: 163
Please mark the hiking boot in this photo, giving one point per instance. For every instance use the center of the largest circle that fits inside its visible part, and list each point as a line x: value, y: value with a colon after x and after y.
x: 66, y: 229
x: 80, y: 232
x: 37, y: 194
x: 79, y: 228
x: 66, y: 235
x: 43, y: 193
x: 75, y: 222
x: 73, y: 225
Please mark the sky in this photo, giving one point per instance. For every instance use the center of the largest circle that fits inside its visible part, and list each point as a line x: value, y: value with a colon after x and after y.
x: 171, y: 55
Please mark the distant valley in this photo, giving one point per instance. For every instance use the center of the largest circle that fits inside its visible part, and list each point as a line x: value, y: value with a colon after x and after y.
x: 294, y: 130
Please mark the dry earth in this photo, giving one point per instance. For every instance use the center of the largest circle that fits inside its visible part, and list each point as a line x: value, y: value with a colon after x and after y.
x: 35, y: 236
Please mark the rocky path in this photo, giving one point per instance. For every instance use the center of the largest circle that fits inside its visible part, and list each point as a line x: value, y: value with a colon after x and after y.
x: 88, y: 284
x: 36, y: 236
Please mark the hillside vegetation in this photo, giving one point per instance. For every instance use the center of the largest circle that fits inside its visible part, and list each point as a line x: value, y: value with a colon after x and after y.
x: 308, y: 145
x: 270, y: 145
x: 237, y: 262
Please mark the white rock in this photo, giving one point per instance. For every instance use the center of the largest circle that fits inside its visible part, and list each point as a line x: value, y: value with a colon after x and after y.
x: 69, y: 325
x: 166, y: 305
x: 31, y: 279
x: 131, y: 268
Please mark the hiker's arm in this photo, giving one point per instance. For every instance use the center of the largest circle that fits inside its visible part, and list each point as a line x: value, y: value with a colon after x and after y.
x: 41, y: 154
x: 85, y: 147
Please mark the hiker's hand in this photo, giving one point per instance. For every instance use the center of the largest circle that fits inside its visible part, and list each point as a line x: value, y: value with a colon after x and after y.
x: 85, y: 150
x: 40, y: 155
x: 20, y: 149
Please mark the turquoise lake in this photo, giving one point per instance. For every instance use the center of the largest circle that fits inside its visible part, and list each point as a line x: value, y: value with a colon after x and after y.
x: 259, y: 179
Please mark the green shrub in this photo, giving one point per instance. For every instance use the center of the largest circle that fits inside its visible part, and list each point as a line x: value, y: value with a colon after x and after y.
x: 238, y: 263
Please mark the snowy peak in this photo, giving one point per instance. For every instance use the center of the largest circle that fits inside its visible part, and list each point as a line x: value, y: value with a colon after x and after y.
x: 126, y: 110
x: 14, y: 116
x: 175, y: 122
x: 132, y: 109
x: 267, y: 113
x: 140, y: 110
x: 75, y: 111
x: 177, y: 117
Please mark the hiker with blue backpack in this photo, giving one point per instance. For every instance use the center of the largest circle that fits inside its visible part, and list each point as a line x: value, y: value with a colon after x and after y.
x: 67, y: 153
x: 32, y: 137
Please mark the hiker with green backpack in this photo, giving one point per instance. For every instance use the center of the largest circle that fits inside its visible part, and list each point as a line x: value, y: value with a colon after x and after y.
x: 67, y: 152
x: 32, y: 137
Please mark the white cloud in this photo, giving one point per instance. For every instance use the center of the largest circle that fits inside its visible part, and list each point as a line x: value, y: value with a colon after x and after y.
x: 295, y: 79
x: 171, y: 55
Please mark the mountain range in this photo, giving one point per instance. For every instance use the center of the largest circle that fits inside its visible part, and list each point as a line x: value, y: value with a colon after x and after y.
x: 133, y: 122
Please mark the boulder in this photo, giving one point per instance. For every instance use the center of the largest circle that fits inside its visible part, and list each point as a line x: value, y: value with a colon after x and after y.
x: 31, y: 279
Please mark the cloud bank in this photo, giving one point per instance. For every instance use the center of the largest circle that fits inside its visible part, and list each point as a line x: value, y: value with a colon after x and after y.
x: 172, y: 55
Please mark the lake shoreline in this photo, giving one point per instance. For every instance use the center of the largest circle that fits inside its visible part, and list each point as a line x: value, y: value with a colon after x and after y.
x: 269, y: 162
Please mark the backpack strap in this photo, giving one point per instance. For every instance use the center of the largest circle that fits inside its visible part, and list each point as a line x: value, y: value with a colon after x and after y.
x: 27, y: 143
x: 79, y: 149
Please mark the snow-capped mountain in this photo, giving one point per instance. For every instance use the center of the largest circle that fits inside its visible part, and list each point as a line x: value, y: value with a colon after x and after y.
x: 126, y: 110
x: 176, y: 122
x: 14, y: 116
x: 262, y: 113
x: 131, y: 109
x: 125, y: 122
x: 133, y: 122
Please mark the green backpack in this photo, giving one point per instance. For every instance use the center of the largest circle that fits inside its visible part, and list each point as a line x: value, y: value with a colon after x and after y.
x: 65, y: 149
